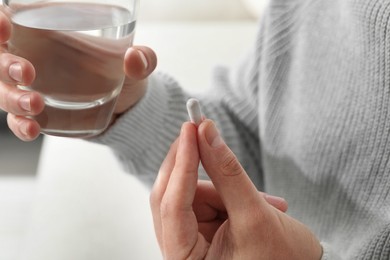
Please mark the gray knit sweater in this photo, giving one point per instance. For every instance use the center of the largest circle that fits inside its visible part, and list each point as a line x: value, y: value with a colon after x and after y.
x: 307, y: 113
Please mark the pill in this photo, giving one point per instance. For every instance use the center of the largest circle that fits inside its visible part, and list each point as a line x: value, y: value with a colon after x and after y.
x: 194, y: 111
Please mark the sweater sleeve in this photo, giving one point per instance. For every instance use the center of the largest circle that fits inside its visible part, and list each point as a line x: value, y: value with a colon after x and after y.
x: 328, y: 253
x: 141, y: 137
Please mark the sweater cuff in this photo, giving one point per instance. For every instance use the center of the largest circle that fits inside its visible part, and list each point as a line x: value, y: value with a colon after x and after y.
x: 141, y: 127
x: 328, y: 253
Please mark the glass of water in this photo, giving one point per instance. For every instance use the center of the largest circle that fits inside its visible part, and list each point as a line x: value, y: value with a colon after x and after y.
x: 77, y: 48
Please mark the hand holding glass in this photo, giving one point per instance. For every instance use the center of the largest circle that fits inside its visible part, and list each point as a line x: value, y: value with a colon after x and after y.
x: 77, y: 49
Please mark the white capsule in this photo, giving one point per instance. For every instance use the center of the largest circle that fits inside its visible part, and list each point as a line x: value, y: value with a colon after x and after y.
x: 194, y: 111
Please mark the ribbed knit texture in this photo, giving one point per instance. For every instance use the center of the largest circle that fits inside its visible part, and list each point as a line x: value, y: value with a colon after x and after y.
x: 308, y: 114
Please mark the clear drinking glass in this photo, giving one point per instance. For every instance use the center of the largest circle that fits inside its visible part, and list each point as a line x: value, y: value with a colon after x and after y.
x: 77, y: 49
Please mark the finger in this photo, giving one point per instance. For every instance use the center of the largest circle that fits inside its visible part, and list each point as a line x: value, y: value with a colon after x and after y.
x: 5, y: 28
x: 16, y: 70
x: 184, y: 177
x: 209, y: 209
x: 20, y: 102
x: 24, y: 128
x: 159, y: 188
x: 140, y: 62
x: 277, y: 202
x: 237, y: 191
x: 179, y: 225
x: 208, y: 204
x: 164, y: 173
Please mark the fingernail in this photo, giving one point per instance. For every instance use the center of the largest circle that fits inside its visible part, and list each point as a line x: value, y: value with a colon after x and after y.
x: 25, y: 102
x: 15, y: 72
x: 212, y: 136
x: 23, y: 129
x: 143, y: 58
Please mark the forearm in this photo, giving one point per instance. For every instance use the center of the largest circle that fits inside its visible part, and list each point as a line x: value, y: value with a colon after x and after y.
x: 141, y: 137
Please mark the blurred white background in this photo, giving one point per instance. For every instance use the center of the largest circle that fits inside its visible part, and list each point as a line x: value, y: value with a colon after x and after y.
x: 79, y: 204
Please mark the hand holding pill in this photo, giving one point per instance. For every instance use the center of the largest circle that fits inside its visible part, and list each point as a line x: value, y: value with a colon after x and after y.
x: 202, y: 219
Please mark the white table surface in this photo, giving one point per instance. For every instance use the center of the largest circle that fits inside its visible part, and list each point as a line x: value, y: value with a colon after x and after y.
x: 86, y: 207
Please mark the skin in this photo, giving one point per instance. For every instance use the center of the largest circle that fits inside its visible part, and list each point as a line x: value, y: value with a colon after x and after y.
x: 223, y: 219
x: 139, y: 63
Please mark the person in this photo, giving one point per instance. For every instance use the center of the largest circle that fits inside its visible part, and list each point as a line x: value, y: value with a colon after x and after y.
x: 306, y: 116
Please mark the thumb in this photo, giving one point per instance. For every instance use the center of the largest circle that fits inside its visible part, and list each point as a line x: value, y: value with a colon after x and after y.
x: 237, y: 191
x: 140, y: 62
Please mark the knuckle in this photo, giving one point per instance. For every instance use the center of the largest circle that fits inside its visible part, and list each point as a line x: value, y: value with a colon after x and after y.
x: 254, y: 221
x: 230, y: 165
x: 5, y: 59
x: 13, y: 123
x: 5, y: 99
x: 165, y: 209
x: 152, y: 198
x: 155, y: 198
x: 170, y: 208
x: 257, y: 217
x: 9, y: 100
